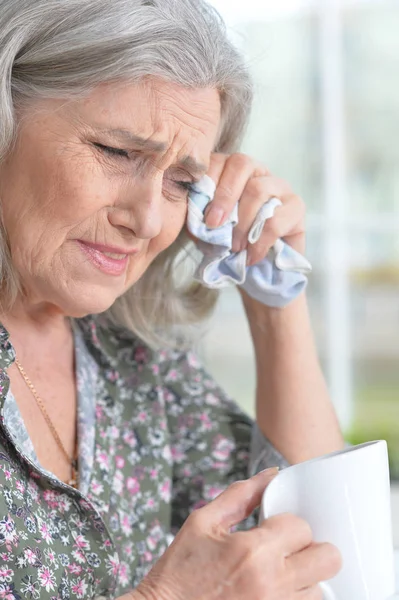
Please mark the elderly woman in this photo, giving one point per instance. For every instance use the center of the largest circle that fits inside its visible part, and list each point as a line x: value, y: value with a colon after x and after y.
x: 109, y: 112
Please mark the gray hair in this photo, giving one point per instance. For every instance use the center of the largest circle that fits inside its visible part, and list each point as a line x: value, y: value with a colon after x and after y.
x: 63, y: 49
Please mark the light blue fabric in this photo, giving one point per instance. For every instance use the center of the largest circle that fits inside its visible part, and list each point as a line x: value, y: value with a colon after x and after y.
x: 275, y: 281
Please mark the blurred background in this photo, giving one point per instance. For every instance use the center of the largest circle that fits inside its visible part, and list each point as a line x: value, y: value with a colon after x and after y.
x: 326, y: 118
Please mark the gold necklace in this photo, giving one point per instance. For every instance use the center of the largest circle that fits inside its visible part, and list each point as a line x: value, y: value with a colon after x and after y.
x: 74, y: 481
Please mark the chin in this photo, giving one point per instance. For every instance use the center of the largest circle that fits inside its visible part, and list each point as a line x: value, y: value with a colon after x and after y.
x: 89, y: 302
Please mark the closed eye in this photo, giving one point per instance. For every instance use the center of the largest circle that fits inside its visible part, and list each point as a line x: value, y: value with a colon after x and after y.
x: 186, y: 185
x: 110, y: 151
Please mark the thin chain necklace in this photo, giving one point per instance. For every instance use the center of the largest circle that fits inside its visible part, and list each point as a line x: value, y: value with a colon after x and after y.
x: 74, y: 481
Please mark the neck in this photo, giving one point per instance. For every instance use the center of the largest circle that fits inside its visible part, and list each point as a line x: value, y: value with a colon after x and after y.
x: 27, y: 323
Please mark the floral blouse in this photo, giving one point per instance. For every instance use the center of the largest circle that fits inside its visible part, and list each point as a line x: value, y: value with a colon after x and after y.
x: 157, y: 439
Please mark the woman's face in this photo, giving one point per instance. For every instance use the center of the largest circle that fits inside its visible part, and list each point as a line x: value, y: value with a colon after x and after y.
x: 95, y: 189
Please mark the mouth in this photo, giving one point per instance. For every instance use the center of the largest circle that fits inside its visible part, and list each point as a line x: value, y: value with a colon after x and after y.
x: 108, y: 259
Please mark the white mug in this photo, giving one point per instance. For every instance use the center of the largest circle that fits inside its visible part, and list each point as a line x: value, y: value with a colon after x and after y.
x: 345, y: 498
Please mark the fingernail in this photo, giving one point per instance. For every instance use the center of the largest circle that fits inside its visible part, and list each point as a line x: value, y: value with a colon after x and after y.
x: 269, y: 471
x: 249, y: 257
x: 214, y: 216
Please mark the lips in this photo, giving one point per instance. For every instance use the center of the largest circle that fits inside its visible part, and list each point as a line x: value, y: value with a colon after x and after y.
x: 111, y: 250
x: 107, y: 259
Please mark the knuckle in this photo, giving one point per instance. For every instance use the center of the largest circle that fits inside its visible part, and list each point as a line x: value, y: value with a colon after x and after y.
x: 241, y: 160
x: 237, y: 486
x: 255, y: 187
x: 294, y: 524
x: 272, y: 229
x: 196, y: 521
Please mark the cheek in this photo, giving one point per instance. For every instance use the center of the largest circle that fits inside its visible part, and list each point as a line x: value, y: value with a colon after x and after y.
x: 174, y: 221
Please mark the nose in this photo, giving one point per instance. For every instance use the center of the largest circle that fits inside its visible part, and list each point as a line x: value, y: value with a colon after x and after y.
x: 140, y: 208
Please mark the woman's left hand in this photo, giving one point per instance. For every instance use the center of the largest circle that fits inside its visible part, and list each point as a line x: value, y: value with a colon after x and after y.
x: 241, y: 179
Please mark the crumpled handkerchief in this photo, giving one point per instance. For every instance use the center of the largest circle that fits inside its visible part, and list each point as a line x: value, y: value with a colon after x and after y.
x: 275, y: 281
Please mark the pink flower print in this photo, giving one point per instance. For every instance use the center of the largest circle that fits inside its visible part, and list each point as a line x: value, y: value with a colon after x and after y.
x: 222, y: 448
x: 6, y: 556
x: 6, y: 574
x: 51, y: 498
x: 130, y: 439
x: 212, y: 400
x: 20, y: 486
x: 155, y: 369
x: 30, y: 556
x: 153, y: 473
x: 45, y: 533
x: 97, y: 488
x: 193, y: 361
x: 7, y: 592
x: 80, y: 588
x: 64, y: 503
x: 75, y: 569
x: 103, y: 460
x: 133, y: 485
x: 7, y: 474
x: 113, y: 565
x: 99, y: 412
x: 141, y: 355
x: 79, y: 556
x: 166, y: 453
x: 123, y: 574
x: 177, y: 454
x: 125, y: 525
x: 204, y: 418
x: 117, y: 483
x: 81, y: 542
x: 8, y: 533
x: 142, y: 417
x: 120, y: 462
x: 150, y: 503
x: 147, y: 556
x: 113, y: 432
x: 165, y: 491
x: 172, y: 375
x: 46, y: 579
x: 112, y: 375
x: 94, y: 336
x: 33, y: 489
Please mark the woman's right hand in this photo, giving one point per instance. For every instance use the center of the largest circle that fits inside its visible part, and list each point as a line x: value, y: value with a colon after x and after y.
x: 276, y: 561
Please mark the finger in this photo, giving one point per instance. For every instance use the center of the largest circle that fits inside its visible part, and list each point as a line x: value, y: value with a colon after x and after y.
x: 318, y: 562
x: 292, y: 533
x: 256, y: 193
x: 218, y: 160
x: 238, y: 501
x: 238, y: 169
x: 288, y: 222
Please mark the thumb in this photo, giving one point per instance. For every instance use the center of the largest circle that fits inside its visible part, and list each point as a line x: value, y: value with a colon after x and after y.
x: 238, y: 501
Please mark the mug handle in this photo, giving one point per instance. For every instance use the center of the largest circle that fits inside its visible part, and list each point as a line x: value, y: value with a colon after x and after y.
x: 328, y: 594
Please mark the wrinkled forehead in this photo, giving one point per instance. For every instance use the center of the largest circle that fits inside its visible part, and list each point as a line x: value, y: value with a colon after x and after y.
x: 166, y: 120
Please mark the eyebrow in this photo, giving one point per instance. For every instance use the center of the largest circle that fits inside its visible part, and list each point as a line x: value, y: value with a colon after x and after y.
x: 128, y: 137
